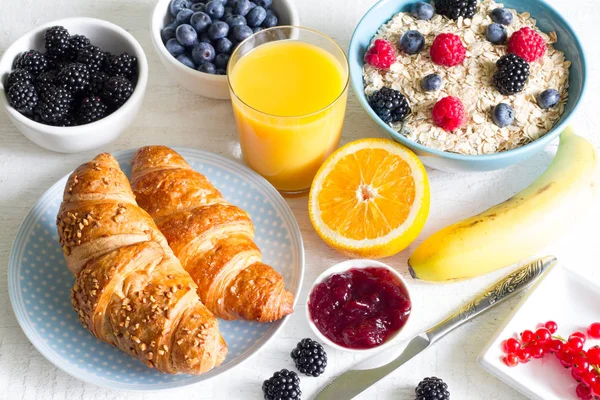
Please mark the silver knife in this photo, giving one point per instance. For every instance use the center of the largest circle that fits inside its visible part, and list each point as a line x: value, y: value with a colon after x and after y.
x: 364, y: 375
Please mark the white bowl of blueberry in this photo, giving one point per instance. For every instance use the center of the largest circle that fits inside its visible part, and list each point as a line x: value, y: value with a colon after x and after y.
x: 194, y: 38
x: 73, y: 85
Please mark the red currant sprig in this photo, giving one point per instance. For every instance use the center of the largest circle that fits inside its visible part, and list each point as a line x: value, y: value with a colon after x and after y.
x: 584, y: 365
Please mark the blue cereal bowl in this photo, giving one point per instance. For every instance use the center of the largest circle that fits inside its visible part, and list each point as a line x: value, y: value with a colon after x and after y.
x: 548, y: 19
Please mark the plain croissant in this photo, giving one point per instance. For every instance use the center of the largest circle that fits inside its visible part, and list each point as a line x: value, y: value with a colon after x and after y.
x: 130, y: 290
x: 212, y: 238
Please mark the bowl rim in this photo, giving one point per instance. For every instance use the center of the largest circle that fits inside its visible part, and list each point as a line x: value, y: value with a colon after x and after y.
x: 136, y: 96
x: 155, y: 28
x: 343, y: 267
x: 542, y: 141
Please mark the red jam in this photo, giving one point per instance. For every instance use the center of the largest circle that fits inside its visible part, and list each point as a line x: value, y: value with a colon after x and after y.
x: 360, y: 308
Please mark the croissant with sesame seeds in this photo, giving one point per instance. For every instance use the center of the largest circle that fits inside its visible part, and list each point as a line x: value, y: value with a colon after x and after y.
x: 212, y: 238
x: 130, y: 290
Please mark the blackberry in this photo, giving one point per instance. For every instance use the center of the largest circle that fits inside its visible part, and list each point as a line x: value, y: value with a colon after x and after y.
x: 97, y: 81
x: 93, y: 57
x: 23, y: 97
x: 511, y: 75
x: 18, y: 76
x: 116, y: 91
x: 432, y: 389
x: 33, y: 61
x: 76, y: 44
x: 55, y: 104
x: 91, y: 109
x: 390, y: 105
x: 122, y: 65
x: 57, y: 62
x: 283, y: 385
x: 45, y: 80
x: 454, y: 9
x: 56, y: 40
x: 309, y: 357
x: 75, y: 77
x: 69, y: 120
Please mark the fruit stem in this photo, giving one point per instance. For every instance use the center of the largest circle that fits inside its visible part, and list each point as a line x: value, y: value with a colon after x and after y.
x: 559, y: 338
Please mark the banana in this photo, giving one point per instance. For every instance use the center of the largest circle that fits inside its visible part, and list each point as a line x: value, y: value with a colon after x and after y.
x: 518, y: 228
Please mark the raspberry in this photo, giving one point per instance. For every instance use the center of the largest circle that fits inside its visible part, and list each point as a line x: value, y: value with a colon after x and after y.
x: 448, y: 50
x: 527, y: 44
x: 449, y: 113
x: 381, y: 54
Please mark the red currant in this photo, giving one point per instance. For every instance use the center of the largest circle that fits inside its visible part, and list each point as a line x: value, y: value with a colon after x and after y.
x: 591, y: 377
x: 524, y: 355
x: 542, y: 335
x: 537, y: 351
x: 580, y: 335
x: 511, y: 360
x: 527, y: 336
x: 551, y: 326
x: 593, y: 355
x: 576, y: 374
x: 555, y: 346
x: 593, y: 330
x: 581, y: 364
x: 575, y: 344
x: 566, y: 358
x: 596, y: 388
x: 511, y: 346
x: 583, y: 392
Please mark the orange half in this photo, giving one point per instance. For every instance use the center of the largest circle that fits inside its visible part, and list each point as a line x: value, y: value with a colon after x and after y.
x: 370, y: 198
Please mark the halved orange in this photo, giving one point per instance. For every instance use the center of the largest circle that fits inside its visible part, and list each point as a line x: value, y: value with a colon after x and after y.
x: 370, y: 198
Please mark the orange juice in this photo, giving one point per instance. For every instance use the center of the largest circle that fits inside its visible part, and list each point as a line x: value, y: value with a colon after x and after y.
x: 289, y: 100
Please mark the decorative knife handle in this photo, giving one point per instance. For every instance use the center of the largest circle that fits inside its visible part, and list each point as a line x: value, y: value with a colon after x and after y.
x: 500, y: 291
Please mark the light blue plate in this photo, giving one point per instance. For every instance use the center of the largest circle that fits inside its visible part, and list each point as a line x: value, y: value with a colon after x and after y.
x: 39, y: 282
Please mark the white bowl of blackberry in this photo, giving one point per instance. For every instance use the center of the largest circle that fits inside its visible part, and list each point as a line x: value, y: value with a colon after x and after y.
x: 74, y: 84
x: 194, y: 38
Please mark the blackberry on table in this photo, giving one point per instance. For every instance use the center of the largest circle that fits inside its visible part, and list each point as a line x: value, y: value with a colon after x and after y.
x: 23, y: 97
x: 18, y: 76
x: 310, y: 357
x: 93, y: 57
x: 432, y: 389
x: 390, y: 105
x: 33, y: 61
x: 511, y: 75
x: 117, y: 90
x: 56, y: 40
x: 122, y: 65
x: 75, y: 77
x: 283, y: 385
x: 454, y: 9
x: 91, y: 109
x: 97, y: 81
x: 76, y: 44
x: 55, y: 104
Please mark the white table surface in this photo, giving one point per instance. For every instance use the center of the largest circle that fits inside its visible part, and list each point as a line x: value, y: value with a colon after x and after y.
x: 172, y: 116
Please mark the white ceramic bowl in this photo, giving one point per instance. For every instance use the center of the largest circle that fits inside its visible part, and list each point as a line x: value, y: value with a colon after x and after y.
x: 107, y: 36
x: 207, y: 85
x: 343, y: 267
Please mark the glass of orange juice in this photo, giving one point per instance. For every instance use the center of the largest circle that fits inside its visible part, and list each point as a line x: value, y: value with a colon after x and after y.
x: 289, y: 87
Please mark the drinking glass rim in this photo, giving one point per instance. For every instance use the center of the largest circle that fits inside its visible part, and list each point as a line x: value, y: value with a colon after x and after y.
x: 229, y: 68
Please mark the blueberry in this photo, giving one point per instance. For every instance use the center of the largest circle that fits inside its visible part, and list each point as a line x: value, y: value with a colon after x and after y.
x: 412, y: 42
x: 235, y: 20
x: 200, y: 21
x: 503, y: 115
x: 241, y: 33
x: 218, y: 30
x: 230, y: 3
x: 228, y: 11
x: 496, y: 33
x: 221, y: 60
x: 264, y: 3
x: 431, y: 83
x: 502, y: 16
x: 208, y: 68
x: 177, y: 5
x: 241, y: 7
x: 186, y: 35
x: 421, y: 10
x: 271, y: 19
x: 174, y: 47
x: 256, y: 16
x: 214, y: 9
x: 221, y: 71
x: 548, y: 98
x: 167, y: 33
x: 223, y: 46
x: 252, y: 5
x: 204, y: 38
x: 185, y: 60
x: 197, y: 7
x: 183, y: 17
x: 203, y: 52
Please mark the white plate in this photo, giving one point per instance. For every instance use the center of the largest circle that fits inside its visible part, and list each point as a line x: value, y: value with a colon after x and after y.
x: 564, y: 297
x: 39, y: 282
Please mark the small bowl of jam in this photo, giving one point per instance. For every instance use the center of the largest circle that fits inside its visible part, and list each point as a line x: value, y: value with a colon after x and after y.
x: 358, y: 305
